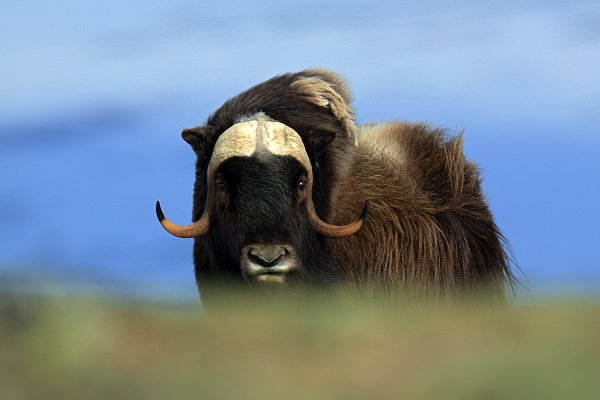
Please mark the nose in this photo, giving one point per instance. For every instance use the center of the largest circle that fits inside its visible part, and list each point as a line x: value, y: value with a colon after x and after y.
x: 268, y: 263
x: 266, y: 256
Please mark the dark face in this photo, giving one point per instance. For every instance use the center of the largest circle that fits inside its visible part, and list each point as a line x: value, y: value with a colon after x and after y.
x: 260, y: 230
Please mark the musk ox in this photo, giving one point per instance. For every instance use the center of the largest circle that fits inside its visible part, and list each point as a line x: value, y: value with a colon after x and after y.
x: 289, y: 190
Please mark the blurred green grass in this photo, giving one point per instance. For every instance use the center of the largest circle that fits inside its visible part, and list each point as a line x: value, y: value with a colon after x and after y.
x: 321, y: 347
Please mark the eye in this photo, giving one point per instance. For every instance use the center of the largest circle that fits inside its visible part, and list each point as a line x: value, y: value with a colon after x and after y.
x: 302, y: 184
x: 221, y: 185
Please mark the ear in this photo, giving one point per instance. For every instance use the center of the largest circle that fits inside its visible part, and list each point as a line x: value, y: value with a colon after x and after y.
x: 320, y: 143
x: 318, y: 146
x: 198, y: 138
x: 194, y: 137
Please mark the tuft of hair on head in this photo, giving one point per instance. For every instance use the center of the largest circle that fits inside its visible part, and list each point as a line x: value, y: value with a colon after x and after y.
x: 326, y: 89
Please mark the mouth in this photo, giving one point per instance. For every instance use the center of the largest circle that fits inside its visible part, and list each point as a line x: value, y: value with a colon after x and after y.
x: 270, y: 278
x: 273, y: 274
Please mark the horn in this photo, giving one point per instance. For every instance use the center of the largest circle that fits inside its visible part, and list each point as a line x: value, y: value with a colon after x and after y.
x: 298, y: 151
x: 196, y: 229
x: 238, y: 140
x: 335, y: 231
x: 322, y: 227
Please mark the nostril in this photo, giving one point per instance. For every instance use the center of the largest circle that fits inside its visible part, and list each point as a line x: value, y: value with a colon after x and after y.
x: 266, y: 256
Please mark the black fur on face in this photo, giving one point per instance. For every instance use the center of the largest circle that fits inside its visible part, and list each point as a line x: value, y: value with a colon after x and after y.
x: 261, y: 200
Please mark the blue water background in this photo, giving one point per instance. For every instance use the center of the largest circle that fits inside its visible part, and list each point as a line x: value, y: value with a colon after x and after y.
x: 94, y: 96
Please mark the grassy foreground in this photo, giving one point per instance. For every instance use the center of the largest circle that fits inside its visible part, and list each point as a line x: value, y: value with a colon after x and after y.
x: 326, y: 347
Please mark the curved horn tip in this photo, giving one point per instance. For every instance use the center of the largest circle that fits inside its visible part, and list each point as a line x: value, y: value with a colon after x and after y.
x: 159, y: 214
x: 364, y: 211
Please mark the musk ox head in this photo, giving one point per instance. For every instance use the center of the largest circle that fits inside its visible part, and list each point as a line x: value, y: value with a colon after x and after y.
x: 259, y: 220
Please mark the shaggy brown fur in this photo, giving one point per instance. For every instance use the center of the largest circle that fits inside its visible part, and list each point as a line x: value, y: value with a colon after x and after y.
x: 429, y: 231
